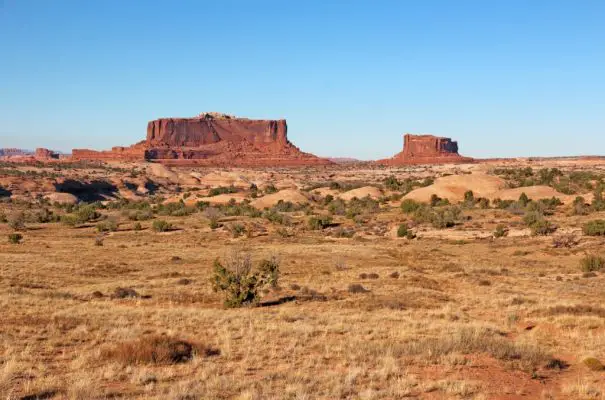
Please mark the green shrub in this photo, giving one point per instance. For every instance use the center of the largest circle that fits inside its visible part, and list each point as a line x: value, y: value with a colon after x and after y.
x: 222, y: 190
x: 137, y: 226
x: 501, y: 231
x: 42, y: 216
x: 337, y: 207
x: 483, y: 203
x: 15, y: 238
x: 270, y: 188
x: 409, y: 206
x: 598, y: 204
x: 523, y: 199
x: 532, y: 217
x: 70, y: 219
x: 159, y: 225
x: 469, y: 197
x: 202, y: 205
x: 392, y: 183
x: 242, y: 209
x: 16, y: 221
x: 239, y: 284
x: 87, y: 213
x: 580, y: 207
x: 437, y: 201
x: 404, y: 231
x: 175, y: 209
x: 502, y: 204
x: 363, y: 206
x: 594, y: 228
x: 542, y: 228
x: 276, y: 217
x: 107, y: 226
x: 319, y: 222
x: 237, y: 229
x: 592, y: 262
x: 140, y: 215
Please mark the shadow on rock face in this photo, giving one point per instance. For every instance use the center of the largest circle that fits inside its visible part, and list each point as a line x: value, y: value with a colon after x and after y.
x: 88, y: 191
x: 4, y: 192
x: 152, y: 187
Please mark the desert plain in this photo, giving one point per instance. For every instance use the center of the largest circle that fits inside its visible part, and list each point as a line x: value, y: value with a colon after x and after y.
x: 468, y: 281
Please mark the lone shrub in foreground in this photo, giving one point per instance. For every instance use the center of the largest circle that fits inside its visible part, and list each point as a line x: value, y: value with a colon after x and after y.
x: 542, y: 228
x: 592, y: 262
x: 240, y: 285
x: 594, y: 228
x: 160, y: 225
x: 15, y: 238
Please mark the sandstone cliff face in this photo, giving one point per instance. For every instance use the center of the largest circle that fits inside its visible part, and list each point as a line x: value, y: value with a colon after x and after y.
x: 206, y: 129
x: 427, y: 149
x: 211, y: 139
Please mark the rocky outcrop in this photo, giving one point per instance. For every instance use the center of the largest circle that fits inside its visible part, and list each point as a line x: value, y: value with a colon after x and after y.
x: 427, y: 149
x: 132, y: 153
x: 42, y: 154
x: 211, y: 139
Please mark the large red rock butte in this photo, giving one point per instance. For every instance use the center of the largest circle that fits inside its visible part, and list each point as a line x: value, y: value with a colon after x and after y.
x: 427, y: 149
x: 211, y: 139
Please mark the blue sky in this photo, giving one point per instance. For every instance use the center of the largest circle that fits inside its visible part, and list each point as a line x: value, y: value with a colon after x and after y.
x: 504, y: 78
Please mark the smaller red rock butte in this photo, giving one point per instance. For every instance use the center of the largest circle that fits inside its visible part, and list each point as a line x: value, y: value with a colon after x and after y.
x: 211, y: 139
x: 45, y: 154
x: 427, y: 149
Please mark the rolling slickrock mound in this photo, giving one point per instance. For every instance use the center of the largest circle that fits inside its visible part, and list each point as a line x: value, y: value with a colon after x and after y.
x: 427, y: 149
x: 211, y: 139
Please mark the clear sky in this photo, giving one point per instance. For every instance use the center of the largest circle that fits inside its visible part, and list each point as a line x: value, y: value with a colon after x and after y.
x: 503, y: 77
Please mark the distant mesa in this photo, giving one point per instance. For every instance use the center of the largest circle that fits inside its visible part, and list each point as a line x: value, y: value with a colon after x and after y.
x: 41, y: 154
x: 12, y: 152
x: 211, y: 139
x: 427, y: 149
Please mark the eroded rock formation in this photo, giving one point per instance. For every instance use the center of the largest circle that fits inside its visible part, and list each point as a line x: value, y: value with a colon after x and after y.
x: 427, y: 149
x: 211, y: 139
x: 43, y: 154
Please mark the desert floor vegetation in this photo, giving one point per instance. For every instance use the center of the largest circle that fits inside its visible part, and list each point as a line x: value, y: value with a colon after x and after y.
x: 190, y: 297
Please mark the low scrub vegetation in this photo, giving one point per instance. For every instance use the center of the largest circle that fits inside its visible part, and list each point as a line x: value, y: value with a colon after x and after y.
x: 15, y: 238
x: 156, y: 349
x: 592, y: 262
x: 404, y: 231
x: 473, y: 340
x: 108, y: 225
x: 594, y: 228
x: 319, y: 222
x: 160, y: 225
x: 221, y: 190
x: 241, y: 286
x: 438, y: 217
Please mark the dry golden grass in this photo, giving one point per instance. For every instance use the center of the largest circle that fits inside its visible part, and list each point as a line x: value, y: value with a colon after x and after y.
x: 425, y: 326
